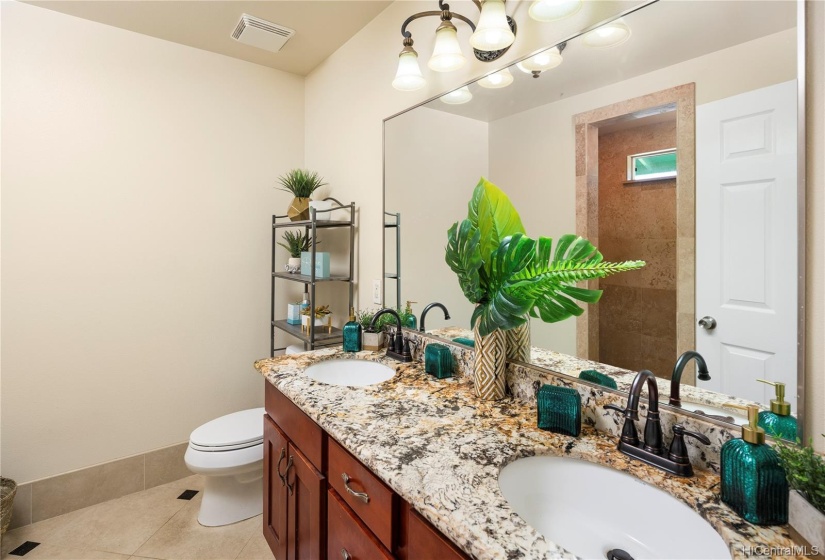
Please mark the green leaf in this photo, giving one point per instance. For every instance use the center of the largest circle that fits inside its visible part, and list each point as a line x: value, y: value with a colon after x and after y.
x: 464, y: 258
x: 494, y: 215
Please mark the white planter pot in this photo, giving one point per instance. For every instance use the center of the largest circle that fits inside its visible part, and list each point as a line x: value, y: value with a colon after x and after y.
x: 372, y: 341
x: 806, y: 520
x: 293, y: 265
x: 322, y: 205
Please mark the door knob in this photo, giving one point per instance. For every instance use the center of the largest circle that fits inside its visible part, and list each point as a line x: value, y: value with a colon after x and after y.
x: 708, y: 323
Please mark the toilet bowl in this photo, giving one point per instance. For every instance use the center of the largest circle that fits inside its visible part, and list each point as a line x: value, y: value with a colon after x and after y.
x: 229, y: 452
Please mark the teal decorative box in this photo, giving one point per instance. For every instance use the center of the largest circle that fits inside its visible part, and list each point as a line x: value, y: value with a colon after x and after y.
x: 560, y: 410
x: 438, y: 360
x: 596, y: 377
x: 321, y: 264
x: 293, y: 313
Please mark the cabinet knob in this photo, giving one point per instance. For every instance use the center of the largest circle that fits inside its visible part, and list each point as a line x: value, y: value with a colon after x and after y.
x: 345, y: 555
x: 278, y: 468
x: 360, y: 495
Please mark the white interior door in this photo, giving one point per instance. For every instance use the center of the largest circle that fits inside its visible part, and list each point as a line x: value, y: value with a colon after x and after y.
x: 746, y: 241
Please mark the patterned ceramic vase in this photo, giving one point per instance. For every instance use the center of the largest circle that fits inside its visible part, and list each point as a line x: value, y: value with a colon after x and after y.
x: 518, y: 342
x: 488, y: 367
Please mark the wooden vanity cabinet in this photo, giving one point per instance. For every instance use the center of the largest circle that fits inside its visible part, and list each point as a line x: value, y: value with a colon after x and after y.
x: 312, y: 513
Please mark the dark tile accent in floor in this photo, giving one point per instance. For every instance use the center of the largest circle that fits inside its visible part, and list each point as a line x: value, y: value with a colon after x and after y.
x: 25, y: 548
x: 188, y: 495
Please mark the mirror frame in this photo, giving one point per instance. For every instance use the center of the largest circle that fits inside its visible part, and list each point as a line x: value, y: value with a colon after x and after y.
x: 801, y: 185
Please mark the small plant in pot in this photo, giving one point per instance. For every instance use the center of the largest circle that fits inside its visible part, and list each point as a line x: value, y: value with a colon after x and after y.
x: 371, y: 339
x: 301, y: 183
x: 805, y: 471
x: 509, y: 276
x: 296, y: 243
x: 322, y: 316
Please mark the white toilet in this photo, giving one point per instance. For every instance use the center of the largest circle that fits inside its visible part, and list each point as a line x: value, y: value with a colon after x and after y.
x: 229, y: 452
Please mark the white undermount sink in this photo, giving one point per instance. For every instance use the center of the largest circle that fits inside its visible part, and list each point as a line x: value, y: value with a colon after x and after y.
x: 590, y: 509
x: 350, y: 373
x: 714, y: 411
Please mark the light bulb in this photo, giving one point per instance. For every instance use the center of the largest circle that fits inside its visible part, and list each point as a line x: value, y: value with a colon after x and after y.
x: 608, y: 35
x: 492, y: 32
x: 408, y: 77
x: 545, y: 60
x: 447, y: 54
x: 500, y: 79
x: 551, y: 10
x: 458, y: 96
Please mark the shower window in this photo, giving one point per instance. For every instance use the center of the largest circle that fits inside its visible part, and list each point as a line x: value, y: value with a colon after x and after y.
x: 648, y: 166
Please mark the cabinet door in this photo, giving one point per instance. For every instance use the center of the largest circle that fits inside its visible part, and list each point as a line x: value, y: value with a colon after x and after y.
x: 425, y: 541
x: 275, y: 490
x: 306, y: 509
x: 347, y: 536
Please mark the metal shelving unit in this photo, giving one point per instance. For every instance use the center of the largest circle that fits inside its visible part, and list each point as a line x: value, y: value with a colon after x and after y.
x: 317, y: 335
x: 396, y: 224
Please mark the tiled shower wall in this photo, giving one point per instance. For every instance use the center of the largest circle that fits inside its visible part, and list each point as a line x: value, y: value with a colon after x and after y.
x: 637, y: 313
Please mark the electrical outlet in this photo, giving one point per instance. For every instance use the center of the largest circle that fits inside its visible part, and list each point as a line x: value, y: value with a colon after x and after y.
x: 376, y: 291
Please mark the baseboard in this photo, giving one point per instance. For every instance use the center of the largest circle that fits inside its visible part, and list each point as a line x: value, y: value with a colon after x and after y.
x: 63, y: 493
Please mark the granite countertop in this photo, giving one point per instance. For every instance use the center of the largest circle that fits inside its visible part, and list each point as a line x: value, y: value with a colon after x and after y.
x: 441, y: 450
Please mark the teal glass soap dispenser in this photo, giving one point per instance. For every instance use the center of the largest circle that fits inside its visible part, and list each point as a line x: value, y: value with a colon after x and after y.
x: 352, y: 333
x: 777, y: 421
x: 409, y: 319
x: 753, y: 480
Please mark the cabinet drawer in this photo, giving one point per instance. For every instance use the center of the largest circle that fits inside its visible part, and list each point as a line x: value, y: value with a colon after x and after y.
x: 347, y: 537
x: 377, y: 512
x: 425, y: 541
x: 304, y: 433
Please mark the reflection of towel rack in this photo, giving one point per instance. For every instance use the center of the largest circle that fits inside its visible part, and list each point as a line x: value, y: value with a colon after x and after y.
x: 397, y: 274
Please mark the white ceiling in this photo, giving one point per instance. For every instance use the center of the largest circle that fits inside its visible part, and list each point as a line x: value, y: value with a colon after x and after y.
x: 321, y: 26
x: 664, y: 33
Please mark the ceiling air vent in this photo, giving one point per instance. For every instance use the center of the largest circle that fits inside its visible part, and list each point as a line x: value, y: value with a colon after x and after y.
x: 261, y: 33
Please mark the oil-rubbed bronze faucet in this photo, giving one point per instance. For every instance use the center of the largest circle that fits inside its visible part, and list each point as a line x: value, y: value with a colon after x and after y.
x: 426, y: 309
x: 652, y: 450
x: 398, y: 347
x: 676, y: 376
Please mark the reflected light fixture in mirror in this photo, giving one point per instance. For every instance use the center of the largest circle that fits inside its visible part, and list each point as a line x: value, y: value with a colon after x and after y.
x: 458, y: 96
x: 545, y: 60
x: 552, y: 10
x: 500, y: 79
x: 608, y: 35
x: 493, y: 31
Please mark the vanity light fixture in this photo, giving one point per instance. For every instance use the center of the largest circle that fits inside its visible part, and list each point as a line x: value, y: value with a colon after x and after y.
x: 608, y: 35
x: 500, y: 79
x: 491, y: 39
x: 552, y: 10
x: 545, y: 60
x: 457, y: 96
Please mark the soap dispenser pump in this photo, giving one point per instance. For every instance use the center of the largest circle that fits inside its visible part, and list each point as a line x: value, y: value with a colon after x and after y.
x: 352, y: 333
x: 753, y: 480
x: 778, y: 421
x: 409, y: 320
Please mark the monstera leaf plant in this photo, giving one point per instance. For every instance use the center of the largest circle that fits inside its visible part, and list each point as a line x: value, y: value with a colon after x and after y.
x: 509, y: 275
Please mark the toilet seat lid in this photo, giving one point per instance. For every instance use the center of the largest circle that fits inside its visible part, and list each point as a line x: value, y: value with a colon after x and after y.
x: 235, y: 430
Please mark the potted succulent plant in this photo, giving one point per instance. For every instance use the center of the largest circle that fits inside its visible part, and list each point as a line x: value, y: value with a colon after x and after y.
x: 371, y: 339
x: 805, y: 471
x: 296, y: 243
x: 322, y: 316
x: 301, y: 183
x: 509, y: 276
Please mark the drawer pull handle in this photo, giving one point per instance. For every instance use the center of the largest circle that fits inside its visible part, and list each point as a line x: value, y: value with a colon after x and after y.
x: 278, y: 468
x: 360, y: 495
x: 291, y: 487
x: 345, y: 555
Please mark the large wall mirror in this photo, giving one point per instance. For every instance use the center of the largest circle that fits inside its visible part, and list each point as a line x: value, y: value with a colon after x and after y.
x: 678, y: 147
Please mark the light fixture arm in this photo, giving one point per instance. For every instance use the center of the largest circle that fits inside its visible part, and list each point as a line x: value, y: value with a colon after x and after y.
x: 444, y: 14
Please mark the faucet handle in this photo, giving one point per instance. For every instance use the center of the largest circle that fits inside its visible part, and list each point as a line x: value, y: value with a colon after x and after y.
x: 629, y: 433
x: 678, y: 450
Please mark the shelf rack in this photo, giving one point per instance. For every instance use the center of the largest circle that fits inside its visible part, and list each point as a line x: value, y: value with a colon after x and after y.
x: 395, y: 224
x: 317, y: 336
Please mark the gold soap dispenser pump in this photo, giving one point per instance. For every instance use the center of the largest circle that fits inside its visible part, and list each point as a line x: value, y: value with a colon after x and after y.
x: 753, y: 480
x: 778, y: 421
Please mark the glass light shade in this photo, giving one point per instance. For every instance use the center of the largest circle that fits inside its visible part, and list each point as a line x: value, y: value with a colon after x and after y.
x: 458, y: 96
x: 492, y: 32
x: 408, y: 77
x: 543, y: 61
x: 500, y: 79
x: 608, y: 35
x: 447, y: 54
x: 551, y: 10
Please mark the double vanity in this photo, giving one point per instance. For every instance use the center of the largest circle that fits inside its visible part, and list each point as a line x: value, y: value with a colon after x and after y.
x: 367, y: 457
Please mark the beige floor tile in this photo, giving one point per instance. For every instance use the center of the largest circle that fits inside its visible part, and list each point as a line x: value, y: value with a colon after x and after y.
x: 121, y: 525
x: 51, y: 552
x: 37, y: 532
x: 182, y: 538
x: 257, y: 548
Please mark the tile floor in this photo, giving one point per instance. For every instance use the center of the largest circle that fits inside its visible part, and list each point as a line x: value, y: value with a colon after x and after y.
x: 152, y: 524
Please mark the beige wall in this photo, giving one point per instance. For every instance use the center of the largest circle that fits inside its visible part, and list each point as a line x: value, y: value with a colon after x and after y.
x: 431, y: 191
x: 137, y: 185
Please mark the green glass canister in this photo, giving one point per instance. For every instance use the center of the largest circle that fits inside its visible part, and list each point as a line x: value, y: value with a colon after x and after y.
x: 777, y: 421
x: 410, y: 321
x: 753, y: 480
x: 559, y: 410
x: 438, y: 360
x: 352, y: 333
